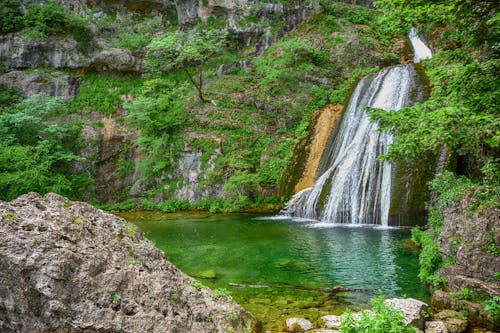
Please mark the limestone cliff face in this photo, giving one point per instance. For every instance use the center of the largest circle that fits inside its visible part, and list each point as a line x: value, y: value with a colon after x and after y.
x: 473, y: 240
x: 68, y: 267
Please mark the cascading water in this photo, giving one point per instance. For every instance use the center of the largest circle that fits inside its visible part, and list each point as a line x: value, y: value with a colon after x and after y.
x: 420, y: 50
x: 355, y: 187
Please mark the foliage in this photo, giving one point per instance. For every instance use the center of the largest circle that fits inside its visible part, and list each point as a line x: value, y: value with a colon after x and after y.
x: 382, y: 319
x: 198, y: 285
x: 9, y: 96
x: 492, y: 308
x: 464, y: 294
x: 471, y: 23
x: 116, y: 298
x: 105, y: 93
x: 182, y: 50
x: 460, y: 114
x: 37, y: 149
x: 221, y: 293
x: 430, y: 258
x: 137, y: 35
x: 43, y: 20
x: 158, y: 113
x: 11, y: 16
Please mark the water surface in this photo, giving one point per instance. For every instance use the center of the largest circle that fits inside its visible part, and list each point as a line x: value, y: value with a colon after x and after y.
x: 250, y: 249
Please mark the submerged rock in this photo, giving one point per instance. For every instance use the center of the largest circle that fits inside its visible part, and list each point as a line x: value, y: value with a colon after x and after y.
x: 69, y: 267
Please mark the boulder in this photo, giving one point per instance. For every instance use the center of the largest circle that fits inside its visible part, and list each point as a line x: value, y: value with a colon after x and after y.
x: 475, y: 311
x: 298, y: 325
x: 116, y: 60
x: 412, y: 310
x: 68, y: 267
x: 435, y: 327
x: 454, y: 321
x: 330, y: 321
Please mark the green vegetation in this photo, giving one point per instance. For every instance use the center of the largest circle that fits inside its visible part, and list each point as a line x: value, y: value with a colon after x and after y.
x: 492, y: 307
x: 460, y: 115
x: 382, y: 319
x: 37, y: 146
x: 43, y: 20
x: 8, y: 217
x: 233, y: 315
x: 174, y: 297
x: 198, y: 285
x: 221, y: 293
x: 182, y: 50
x: 116, y: 298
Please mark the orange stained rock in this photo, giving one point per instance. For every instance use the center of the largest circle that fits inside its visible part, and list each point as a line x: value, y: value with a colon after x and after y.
x: 322, y: 128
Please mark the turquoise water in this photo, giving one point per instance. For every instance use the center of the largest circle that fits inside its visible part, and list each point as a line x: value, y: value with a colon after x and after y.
x: 247, y: 249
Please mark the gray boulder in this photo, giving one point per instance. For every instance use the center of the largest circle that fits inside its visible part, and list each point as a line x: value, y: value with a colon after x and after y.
x: 69, y: 267
x: 298, y: 325
x: 330, y: 321
x: 411, y: 308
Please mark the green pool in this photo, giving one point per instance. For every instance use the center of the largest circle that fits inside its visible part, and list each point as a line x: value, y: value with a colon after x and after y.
x: 223, y: 249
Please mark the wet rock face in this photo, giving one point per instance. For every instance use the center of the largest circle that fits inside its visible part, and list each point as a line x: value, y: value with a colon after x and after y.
x: 68, y: 267
x: 474, y: 242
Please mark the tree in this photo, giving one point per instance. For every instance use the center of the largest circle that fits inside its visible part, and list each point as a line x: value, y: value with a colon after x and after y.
x: 183, y: 50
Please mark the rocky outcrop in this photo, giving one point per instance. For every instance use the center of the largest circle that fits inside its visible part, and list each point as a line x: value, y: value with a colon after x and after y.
x: 68, y: 267
x: 63, y: 53
x: 473, y: 241
x: 475, y: 311
x: 116, y: 60
x: 36, y: 82
x: 56, y: 52
x: 413, y: 310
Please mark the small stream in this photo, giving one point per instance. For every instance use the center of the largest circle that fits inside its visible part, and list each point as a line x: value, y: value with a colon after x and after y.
x: 219, y: 249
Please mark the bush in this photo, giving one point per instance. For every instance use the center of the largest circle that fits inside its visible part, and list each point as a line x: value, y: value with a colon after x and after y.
x: 11, y: 16
x: 383, y: 319
x: 50, y: 18
x: 430, y: 257
x: 492, y: 308
x: 37, y: 148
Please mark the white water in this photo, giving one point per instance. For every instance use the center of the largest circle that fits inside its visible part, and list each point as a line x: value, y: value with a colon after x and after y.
x: 420, y: 50
x: 360, y: 189
x: 355, y: 189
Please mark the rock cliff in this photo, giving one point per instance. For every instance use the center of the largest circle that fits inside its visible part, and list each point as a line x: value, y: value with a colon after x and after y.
x: 68, y: 267
x: 473, y: 241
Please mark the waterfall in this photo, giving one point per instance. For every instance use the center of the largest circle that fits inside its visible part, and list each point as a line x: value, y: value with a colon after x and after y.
x: 420, y: 50
x: 354, y: 187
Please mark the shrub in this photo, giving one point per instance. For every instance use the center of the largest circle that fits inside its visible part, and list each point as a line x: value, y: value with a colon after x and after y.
x: 492, y: 308
x: 50, y: 18
x: 11, y: 16
x: 382, y: 319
